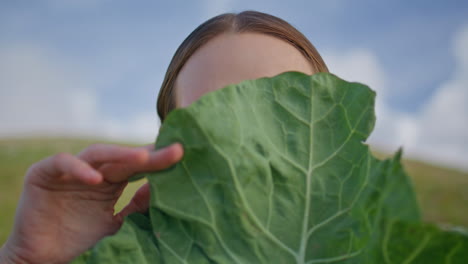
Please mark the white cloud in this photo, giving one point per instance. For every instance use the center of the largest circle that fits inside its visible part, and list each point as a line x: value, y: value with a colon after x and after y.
x: 37, y: 93
x: 358, y: 65
x: 141, y: 128
x: 439, y: 131
x: 40, y: 95
x: 444, y: 118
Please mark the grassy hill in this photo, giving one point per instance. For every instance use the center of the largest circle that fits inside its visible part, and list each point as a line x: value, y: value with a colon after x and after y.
x: 442, y: 192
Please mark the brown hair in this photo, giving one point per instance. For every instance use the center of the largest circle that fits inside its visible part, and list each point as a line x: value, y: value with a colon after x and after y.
x: 247, y: 21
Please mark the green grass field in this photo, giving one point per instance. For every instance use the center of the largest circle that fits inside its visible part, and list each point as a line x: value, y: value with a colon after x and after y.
x: 442, y: 192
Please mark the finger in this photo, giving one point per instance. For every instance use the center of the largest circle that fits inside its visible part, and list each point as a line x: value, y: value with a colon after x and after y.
x: 66, y: 167
x: 157, y: 160
x: 162, y: 158
x: 98, y: 154
x: 139, y: 202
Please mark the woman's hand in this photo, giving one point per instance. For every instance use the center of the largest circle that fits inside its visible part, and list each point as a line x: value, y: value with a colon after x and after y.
x: 67, y: 204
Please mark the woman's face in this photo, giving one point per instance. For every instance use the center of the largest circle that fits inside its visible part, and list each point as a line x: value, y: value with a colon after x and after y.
x: 235, y: 57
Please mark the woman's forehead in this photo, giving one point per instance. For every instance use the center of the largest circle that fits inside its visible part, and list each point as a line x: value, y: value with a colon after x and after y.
x: 232, y: 58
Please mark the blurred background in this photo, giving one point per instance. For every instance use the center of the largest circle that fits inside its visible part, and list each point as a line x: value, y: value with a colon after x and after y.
x: 77, y: 72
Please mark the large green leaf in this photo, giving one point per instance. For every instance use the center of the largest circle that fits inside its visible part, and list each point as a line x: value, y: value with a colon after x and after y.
x: 275, y: 171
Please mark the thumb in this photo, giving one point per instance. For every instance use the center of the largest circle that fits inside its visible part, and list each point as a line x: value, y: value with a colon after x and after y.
x: 139, y: 202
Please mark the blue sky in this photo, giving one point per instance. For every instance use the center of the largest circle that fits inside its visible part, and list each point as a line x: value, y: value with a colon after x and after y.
x: 94, y: 67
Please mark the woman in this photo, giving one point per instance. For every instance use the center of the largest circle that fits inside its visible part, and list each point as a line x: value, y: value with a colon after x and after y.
x: 67, y: 204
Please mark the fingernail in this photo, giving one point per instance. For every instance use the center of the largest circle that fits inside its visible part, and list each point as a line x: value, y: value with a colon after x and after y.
x: 93, y: 174
x: 178, y: 145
